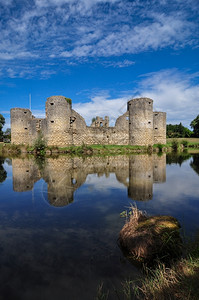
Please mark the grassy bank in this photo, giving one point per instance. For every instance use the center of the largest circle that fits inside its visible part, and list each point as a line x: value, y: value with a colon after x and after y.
x: 188, y: 142
x: 172, y: 144
x: 180, y: 281
x: 74, y: 150
x: 103, y: 149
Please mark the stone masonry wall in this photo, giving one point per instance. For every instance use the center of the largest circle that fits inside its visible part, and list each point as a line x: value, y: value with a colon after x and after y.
x: 159, y: 127
x: 64, y: 127
x: 140, y: 121
x: 20, y: 125
x: 58, y: 113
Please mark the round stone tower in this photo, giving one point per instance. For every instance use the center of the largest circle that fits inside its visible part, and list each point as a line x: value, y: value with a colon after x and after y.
x: 20, y: 125
x: 159, y: 125
x: 140, y: 121
x: 58, y: 114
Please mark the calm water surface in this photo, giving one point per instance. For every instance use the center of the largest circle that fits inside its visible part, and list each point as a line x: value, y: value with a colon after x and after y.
x: 60, y: 219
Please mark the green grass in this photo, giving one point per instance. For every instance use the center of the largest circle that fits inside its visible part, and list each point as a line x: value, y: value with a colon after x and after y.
x: 177, y: 282
x: 102, y: 150
x: 191, y: 142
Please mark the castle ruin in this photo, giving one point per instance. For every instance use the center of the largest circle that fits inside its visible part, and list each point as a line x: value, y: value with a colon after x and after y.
x: 63, y: 126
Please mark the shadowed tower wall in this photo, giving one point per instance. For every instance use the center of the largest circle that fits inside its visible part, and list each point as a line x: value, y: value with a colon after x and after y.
x: 159, y: 127
x: 20, y: 124
x: 58, y: 114
x: 141, y: 177
x: 140, y: 121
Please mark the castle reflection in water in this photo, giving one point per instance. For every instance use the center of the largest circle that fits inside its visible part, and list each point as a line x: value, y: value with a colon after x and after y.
x: 64, y: 174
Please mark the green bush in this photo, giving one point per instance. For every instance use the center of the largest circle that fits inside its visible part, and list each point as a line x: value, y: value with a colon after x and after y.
x: 184, y: 143
x: 68, y: 100
x: 160, y: 147
x: 40, y: 144
x: 174, y: 145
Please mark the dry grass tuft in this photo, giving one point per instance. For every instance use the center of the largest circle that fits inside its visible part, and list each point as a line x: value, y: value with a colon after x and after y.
x: 145, y: 238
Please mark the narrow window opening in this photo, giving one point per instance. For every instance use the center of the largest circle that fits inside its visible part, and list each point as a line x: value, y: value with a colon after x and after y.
x: 25, y: 112
x: 51, y: 103
x: 149, y: 102
x: 72, y: 120
x: 25, y: 128
x: 52, y: 121
x: 74, y: 181
x: 156, y: 115
x: 27, y: 171
x: 149, y: 122
x: 156, y: 128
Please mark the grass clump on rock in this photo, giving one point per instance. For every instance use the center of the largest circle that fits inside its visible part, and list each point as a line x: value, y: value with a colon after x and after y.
x: 145, y: 238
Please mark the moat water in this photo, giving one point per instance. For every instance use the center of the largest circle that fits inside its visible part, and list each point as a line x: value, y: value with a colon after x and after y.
x: 60, y: 219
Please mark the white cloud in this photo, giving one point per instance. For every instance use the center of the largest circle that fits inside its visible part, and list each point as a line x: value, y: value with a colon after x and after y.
x: 86, y: 3
x: 119, y: 64
x: 162, y: 31
x: 101, y: 105
x: 71, y: 31
x: 173, y: 92
x: 38, y: 113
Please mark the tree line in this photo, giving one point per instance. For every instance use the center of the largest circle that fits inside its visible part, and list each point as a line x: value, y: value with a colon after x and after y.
x: 178, y: 130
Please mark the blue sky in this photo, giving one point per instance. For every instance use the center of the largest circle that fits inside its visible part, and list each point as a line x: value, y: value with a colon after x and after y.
x: 100, y: 54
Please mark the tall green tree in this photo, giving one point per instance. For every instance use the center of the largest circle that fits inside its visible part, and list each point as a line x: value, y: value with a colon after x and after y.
x: 177, y: 131
x: 195, y: 125
x: 2, y: 122
x: 7, y: 134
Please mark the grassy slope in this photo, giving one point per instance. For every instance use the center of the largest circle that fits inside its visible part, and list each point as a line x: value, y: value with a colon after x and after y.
x: 178, y: 282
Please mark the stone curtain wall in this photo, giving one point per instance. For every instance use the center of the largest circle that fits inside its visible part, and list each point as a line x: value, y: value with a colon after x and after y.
x: 64, y: 127
x: 159, y: 127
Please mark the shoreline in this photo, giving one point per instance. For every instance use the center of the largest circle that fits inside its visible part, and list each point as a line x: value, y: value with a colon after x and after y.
x: 173, y: 145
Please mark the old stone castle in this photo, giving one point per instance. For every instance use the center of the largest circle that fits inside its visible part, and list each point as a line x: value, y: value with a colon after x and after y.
x: 63, y: 126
